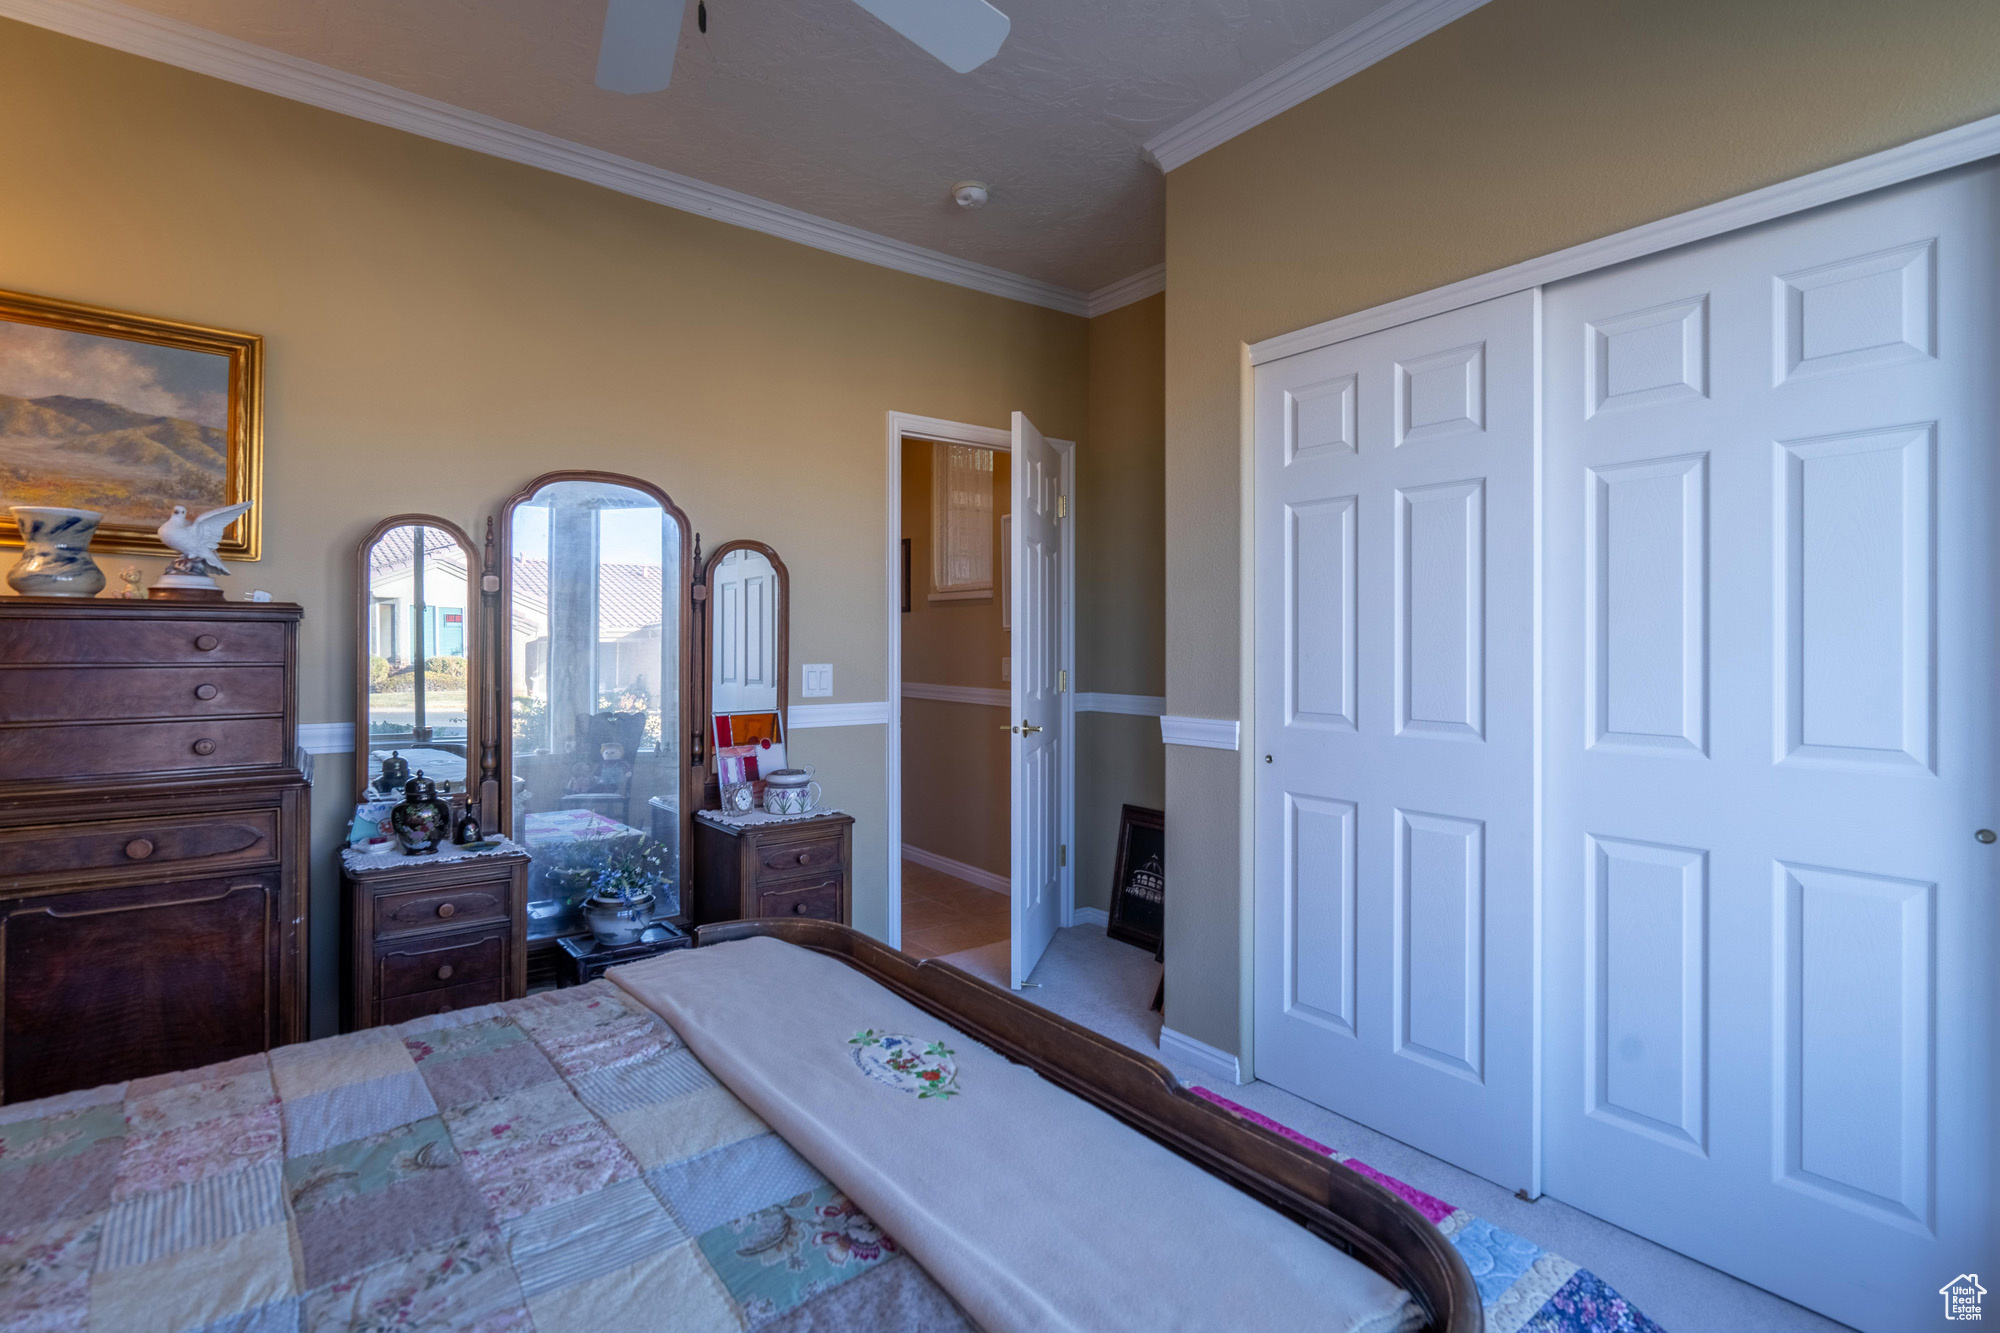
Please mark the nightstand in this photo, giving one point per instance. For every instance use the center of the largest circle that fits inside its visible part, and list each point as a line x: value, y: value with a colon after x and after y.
x: 763, y: 865
x: 427, y: 934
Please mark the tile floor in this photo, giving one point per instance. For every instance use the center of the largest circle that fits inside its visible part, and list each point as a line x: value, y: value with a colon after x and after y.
x: 943, y: 914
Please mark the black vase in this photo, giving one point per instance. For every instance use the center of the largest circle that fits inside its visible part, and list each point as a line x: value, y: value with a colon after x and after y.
x: 467, y: 828
x: 395, y: 772
x: 421, y: 820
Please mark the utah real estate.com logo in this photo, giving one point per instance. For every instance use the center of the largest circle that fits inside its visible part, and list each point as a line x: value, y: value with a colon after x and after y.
x: 1961, y: 1296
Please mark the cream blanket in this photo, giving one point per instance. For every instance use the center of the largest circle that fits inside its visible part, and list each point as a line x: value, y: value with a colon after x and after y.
x: 1034, y: 1209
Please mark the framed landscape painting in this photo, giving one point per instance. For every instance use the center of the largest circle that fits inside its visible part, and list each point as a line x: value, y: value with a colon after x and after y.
x: 128, y: 415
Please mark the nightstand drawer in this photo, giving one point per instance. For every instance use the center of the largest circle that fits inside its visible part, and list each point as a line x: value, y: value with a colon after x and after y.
x: 797, y: 856
x: 441, y: 964
x: 433, y: 909
x: 819, y: 900
x: 403, y: 1008
x: 173, y: 842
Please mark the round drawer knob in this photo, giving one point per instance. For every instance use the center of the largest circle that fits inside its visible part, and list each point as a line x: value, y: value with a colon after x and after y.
x: 804, y: 857
x: 444, y: 1008
x: 139, y: 848
x: 444, y: 973
x: 204, y: 746
x: 798, y: 909
x: 204, y: 691
x: 446, y: 909
x: 207, y: 643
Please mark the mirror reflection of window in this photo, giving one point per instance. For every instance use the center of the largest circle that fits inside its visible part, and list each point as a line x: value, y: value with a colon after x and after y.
x: 595, y: 657
x: 743, y: 606
x: 419, y: 673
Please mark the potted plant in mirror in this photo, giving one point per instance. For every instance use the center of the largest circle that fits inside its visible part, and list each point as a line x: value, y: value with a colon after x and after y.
x: 624, y: 893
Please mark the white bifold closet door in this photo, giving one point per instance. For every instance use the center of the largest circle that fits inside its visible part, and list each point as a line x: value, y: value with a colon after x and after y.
x: 1396, y: 823
x: 1771, y: 516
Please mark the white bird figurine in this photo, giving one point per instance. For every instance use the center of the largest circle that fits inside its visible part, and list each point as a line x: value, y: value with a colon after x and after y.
x: 196, y: 541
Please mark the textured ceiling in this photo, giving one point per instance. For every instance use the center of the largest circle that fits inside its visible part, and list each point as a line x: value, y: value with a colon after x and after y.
x: 816, y: 105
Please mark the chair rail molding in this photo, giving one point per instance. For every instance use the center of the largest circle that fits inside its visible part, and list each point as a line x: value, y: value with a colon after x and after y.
x: 1133, y: 705
x: 1341, y: 56
x: 984, y: 696
x: 326, y: 737
x: 804, y: 717
x: 1207, y: 733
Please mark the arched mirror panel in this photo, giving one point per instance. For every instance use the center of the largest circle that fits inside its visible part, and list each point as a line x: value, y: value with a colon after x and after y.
x: 596, y: 572
x: 418, y: 681
x: 746, y: 600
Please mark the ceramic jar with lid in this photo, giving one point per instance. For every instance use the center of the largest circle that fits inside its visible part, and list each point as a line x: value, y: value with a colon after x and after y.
x: 791, y: 791
x: 422, y: 820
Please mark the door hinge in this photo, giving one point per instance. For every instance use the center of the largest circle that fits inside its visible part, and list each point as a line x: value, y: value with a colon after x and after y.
x: 1062, y: 681
x: 1062, y: 506
x: 1065, y: 854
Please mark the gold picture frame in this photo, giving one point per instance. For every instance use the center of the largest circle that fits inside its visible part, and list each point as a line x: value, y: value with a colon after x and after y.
x: 142, y: 409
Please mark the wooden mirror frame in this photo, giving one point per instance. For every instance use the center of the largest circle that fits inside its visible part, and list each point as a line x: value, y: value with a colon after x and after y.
x: 711, y: 792
x: 478, y: 703
x: 503, y: 673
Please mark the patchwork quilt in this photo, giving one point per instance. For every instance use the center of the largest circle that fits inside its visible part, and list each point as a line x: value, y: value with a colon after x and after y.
x: 554, y: 1163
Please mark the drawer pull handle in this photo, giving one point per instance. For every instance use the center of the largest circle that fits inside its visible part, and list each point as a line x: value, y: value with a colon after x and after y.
x: 207, y: 643
x: 204, y: 691
x: 204, y: 746
x: 804, y: 857
x: 446, y: 909
x: 139, y: 848
x: 444, y: 973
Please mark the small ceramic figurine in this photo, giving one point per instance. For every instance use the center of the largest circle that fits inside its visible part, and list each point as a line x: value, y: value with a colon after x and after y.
x: 187, y: 577
x: 134, y: 579
x: 467, y: 828
x: 422, y: 820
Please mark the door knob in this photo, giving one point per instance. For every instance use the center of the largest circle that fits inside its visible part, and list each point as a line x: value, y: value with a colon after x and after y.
x: 1028, y: 729
x: 1984, y: 835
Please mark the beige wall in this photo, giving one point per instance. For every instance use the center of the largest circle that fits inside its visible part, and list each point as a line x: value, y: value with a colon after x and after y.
x: 1121, y: 582
x: 955, y: 755
x: 1527, y: 126
x: 442, y: 326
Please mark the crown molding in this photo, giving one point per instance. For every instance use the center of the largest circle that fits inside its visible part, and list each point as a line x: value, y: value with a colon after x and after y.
x: 1341, y: 56
x: 1146, y: 282
x: 136, y: 32
x: 1892, y: 166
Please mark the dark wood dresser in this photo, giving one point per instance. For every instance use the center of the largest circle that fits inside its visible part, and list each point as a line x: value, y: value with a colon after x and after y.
x: 427, y: 934
x: 153, y: 838
x: 796, y: 867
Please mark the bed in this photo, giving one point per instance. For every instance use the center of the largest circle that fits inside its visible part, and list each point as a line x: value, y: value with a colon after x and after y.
x: 572, y: 1160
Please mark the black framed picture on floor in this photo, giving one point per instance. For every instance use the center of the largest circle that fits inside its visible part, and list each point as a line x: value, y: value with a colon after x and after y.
x: 1139, y: 881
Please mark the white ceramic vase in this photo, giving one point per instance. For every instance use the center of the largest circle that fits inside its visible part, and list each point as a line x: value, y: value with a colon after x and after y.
x: 55, y: 553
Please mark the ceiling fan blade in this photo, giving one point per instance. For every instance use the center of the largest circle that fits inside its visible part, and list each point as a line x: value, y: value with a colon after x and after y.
x: 640, y: 37
x: 965, y: 34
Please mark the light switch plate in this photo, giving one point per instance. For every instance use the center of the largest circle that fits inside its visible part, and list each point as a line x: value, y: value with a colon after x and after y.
x: 1006, y: 668
x: 816, y: 680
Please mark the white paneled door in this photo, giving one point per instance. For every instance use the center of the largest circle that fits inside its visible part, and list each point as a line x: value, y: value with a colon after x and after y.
x: 1035, y: 689
x: 1396, y: 493
x: 1771, y: 514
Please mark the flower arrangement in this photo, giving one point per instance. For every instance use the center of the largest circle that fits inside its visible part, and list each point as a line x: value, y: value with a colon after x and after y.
x: 633, y: 874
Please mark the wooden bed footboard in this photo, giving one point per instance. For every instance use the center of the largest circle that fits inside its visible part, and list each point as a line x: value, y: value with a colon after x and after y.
x: 1340, y: 1206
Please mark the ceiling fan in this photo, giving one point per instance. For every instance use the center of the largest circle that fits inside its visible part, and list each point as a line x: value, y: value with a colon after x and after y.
x: 640, y: 36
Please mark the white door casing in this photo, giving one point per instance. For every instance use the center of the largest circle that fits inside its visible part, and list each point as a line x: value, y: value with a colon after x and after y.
x: 1770, y: 739
x: 1396, y: 621
x: 1040, y: 743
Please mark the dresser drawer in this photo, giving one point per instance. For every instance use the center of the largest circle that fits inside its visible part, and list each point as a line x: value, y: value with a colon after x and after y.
x: 146, y: 640
x: 819, y: 900
x: 797, y: 856
x: 73, y: 694
x: 403, y: 1008
x: 176, y: 842
x: 441, y: 963
x: 431, y: 909
x: 118, y: 748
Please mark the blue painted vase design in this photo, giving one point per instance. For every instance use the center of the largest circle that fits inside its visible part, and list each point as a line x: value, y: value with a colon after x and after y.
x: 55, y: 553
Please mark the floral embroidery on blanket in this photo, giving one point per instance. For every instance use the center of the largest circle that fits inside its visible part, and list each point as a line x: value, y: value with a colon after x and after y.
x: 906, y: 1064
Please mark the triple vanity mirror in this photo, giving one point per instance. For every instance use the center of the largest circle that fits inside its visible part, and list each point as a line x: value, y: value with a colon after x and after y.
x: 418, y: 683
x: 579, y: 690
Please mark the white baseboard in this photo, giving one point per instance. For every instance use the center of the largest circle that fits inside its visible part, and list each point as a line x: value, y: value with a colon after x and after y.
x: 1180, y: 1047
x: 985, y: 879
x: 1090, y: 916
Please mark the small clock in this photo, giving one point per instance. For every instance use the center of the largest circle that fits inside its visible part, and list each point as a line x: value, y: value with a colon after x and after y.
x: 738, y: 797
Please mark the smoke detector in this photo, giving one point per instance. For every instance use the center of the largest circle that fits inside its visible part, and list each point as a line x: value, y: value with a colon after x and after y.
x: 970, y: 194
